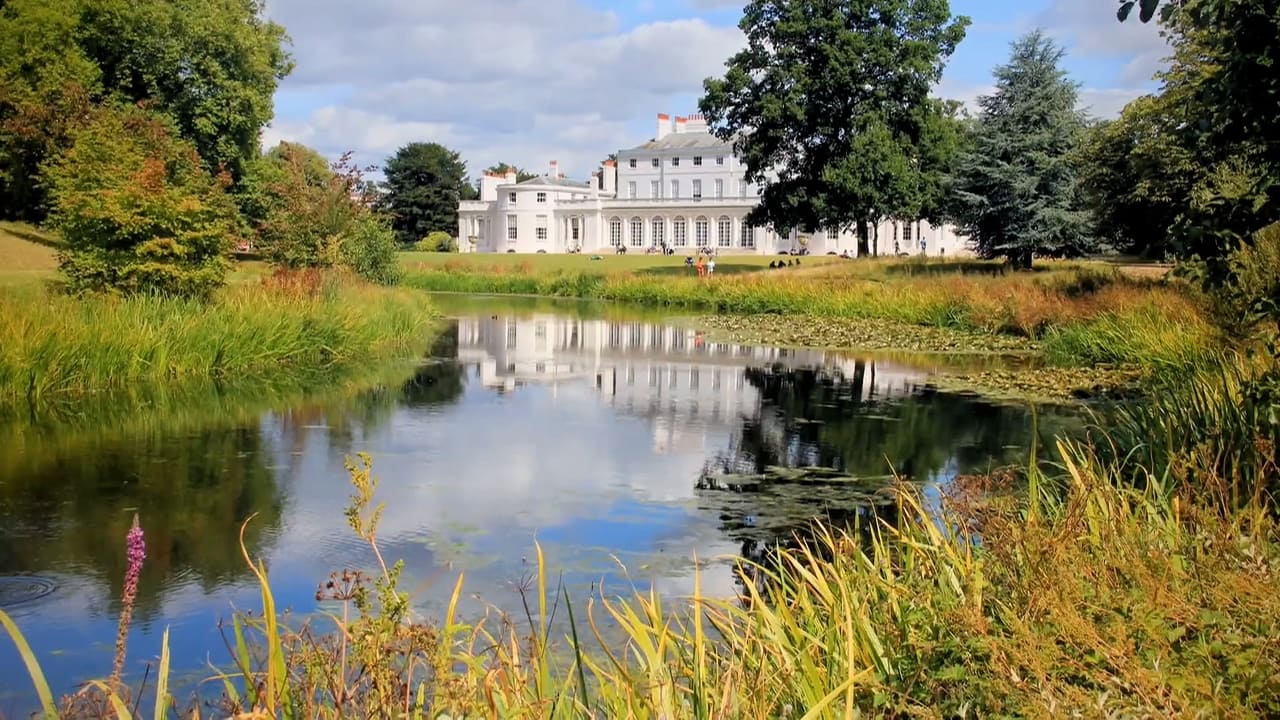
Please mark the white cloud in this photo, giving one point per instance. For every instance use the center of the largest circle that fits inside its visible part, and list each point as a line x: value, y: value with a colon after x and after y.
x: 521, y: 81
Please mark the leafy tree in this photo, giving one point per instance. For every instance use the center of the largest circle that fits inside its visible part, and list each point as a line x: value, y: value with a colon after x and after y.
x: 316, y: 220
x: 210, y: 66
x: 1016, y: 187
x: 424, y: 183
x: 137, y: 209
x: 1136, y: 177
x: 257, y: 192
x: 503, y: 168
x: 827, y: 106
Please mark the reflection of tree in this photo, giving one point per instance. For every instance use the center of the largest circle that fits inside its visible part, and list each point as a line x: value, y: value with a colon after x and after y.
x: 192, y: 492
x: 442, y: 378
x: 816, y: 418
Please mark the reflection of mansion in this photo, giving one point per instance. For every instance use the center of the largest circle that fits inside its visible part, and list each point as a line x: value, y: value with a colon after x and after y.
x: 665, y: 373
x: 684, y: 190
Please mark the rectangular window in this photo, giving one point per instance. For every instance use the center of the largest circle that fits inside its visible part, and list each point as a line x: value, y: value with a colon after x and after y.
x: 701, y: 231
x: 637, y: 232
x: 542, y: 197
x: 632, y: 162
x: 697, y: 160
x: 675, y: 189
x: 697, y: 189
x: 719, y: 188
x: 748, y: 236
x: 724, y: 233
x: 654, y: 189
x: 655, y: 162
x: 631, y: 189
x: 833, y: 233
x: 540, y: 228
x: 658, y: 235
x: 511, y: 198
x: 679, y: 233
x: 573, y: 228
x: 511, y: 227
x: 720, y: 160
x: 615, y: 232
x: 675, y: 161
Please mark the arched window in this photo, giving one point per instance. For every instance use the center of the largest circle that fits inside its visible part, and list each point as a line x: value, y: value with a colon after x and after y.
x: 724, y: 233
x: 748, y: 235
x: 659, y: 231
x: 701, y: 232
x: 615, y: 231
x: 637, y: 232
x: 679, y: 232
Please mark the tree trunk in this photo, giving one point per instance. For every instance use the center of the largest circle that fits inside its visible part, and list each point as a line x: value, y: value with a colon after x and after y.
x: 875, y: 239
x: 1021, y: 259
x: 863, y: 248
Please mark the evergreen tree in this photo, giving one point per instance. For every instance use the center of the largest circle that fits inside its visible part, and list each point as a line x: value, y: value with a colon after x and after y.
x: 827, y: 106
x: 424, y: 183
x: 1016, y: 189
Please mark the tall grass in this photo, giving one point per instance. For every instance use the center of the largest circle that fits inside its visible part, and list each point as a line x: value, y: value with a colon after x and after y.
x: 1077, y: 594
x: 55, y: 347
x: 1088, y: 314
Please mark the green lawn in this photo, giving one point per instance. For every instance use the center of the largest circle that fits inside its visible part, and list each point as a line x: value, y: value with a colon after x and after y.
x: 639, y: 264
x: 26, y: 254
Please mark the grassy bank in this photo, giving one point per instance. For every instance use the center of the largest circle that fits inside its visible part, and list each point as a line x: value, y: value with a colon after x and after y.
x: 1137, y: 581
x: 1082, y: 314
x: 55, y: 348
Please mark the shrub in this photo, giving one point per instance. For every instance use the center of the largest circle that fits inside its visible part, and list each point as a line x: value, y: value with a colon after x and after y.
x: 137, y: 210
x: 1253, y: 295
x: 369, y: 249
x: 437, y: 241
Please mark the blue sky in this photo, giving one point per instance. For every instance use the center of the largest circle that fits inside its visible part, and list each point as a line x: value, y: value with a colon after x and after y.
x: 528, y: 81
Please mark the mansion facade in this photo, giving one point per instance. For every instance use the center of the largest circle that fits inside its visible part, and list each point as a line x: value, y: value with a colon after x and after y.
x: 684, y: 190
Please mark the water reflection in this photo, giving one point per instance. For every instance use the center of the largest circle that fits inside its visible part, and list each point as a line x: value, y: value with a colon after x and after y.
x: 592, y: 435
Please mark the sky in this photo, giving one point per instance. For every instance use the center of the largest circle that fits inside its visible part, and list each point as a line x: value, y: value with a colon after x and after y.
x: 530, y: 81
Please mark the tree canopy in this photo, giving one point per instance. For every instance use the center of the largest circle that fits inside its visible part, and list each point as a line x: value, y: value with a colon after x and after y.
x: 209, y: 66
x: 828, y: 106
x: 503, y: 168
x: 424, y: 183
x: 1016, y: 189
x: 137, y: 210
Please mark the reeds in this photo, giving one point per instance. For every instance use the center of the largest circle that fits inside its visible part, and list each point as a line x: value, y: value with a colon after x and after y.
x: 1115, y: 586
x: 1087, y: 314
x: 55, y: 347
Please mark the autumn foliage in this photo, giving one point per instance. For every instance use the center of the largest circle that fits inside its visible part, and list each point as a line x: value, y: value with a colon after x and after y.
x: 137, y: 210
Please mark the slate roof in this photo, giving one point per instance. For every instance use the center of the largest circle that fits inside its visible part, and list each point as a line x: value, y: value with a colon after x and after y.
x: 559, y: 182
x: 683, y: 141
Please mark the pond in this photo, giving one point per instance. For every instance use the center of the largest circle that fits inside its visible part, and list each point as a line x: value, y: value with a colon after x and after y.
x: 604, y: 436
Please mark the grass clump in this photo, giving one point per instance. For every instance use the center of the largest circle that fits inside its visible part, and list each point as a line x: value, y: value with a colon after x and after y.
x: 1126, y: 583
x: 55, y: 347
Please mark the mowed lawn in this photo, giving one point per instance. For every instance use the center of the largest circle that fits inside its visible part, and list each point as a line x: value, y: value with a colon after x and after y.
x: 638, y: 264
x: 26, y: 254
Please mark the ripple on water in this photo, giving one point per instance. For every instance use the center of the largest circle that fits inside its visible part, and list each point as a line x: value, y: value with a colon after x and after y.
x: 18, y: 590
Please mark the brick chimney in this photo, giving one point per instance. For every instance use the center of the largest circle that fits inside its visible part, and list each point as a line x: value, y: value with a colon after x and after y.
x: 610, y: 171
x: 696, y: 123
x: 680, y: 124
x: 553, y: 171
x: 664, y: 126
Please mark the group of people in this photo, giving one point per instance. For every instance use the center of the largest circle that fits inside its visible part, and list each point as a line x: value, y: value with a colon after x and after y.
x: 784, y: 263
x: 704, y: 268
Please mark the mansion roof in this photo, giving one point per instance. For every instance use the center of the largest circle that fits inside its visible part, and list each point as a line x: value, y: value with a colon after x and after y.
x: 683, y: 141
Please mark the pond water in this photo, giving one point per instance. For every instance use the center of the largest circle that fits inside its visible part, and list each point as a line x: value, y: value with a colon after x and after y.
x: 590, y: 431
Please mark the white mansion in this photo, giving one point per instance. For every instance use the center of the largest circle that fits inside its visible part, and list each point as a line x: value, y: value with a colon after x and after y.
x: 684, y: 189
